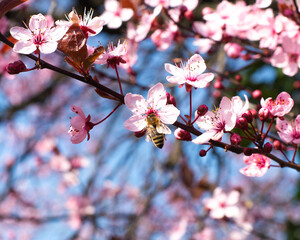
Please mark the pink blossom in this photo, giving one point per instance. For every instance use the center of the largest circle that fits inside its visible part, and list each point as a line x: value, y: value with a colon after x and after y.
x: 60, y: 163
x: 215, y: 123
x: 223, y: 205
x: 178, y: 231
x: 237, y: 106
x: 38, y: 36
x: 257, y: 165
x: 156, y: 103
x: 263, y: 3
x: 287, y: 57
x: 163, y: 3
x: 114, y: 14
x: 113, y: 55
x: 80, y: 126
x: 89, y: 25
x: 190, y: 74
x: 289, y: 131
x: 164, y: 38
x: 280, y: 106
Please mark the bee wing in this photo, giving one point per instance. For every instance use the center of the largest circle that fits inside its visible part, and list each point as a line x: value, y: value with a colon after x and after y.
x: 162, y: 128
x: 149, y: 133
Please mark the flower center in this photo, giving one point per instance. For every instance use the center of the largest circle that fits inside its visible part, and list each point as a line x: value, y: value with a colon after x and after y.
x: 38, y: 39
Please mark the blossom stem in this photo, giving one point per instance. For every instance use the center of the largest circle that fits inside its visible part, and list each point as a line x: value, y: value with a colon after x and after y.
x: 293, y: 159
x: 183, y: 119
x: 283, y: 153
x: 262, y: 127
x: 189, y: 122
x: 270, y: 125
x: 108, y: 115
x: 121, y: 91
x: 196, y: 118
x: 254, y: 130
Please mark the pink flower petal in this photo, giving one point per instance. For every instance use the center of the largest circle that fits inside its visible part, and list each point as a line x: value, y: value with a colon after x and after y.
x: 24, y: 47
x: 21, y: 33
x: 157, y: 96
x: 168, y: 114
x: 204, y: 137
x: 135, y: 123
x: 136, y: 103
x: 48, y: 47
x: 78, y: 111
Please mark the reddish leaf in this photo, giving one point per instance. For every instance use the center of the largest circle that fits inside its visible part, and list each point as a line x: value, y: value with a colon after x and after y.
x: 92, y: 58
x: 73, y: 44
x: 103, y: 94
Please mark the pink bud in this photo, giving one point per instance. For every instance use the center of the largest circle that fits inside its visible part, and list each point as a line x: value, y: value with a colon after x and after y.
x: 256, y: 94
x: 202, y: 153
x: 248, y: 115
x: 183, y: 9
x: 242, y: 123
x: 238, y: 77
x: 233, y: 50
x: 263, y: 114
x: 16, y: 67
x: 254, y: 113
x: 202, y: 110
x: 189, y: 15
x: 218, y: 85
x: 235, y: 139
x: 182, y: 135
x: 296, y: 84
x: 278, y: 145
x: 171, y: 99
x: 267, y: 148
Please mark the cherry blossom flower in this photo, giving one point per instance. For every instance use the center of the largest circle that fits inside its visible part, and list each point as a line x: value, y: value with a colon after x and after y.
x: 280, y: 106
x: 113, y: 55
x: 114, y: 14
x: 164, y: 38
x: 289, y: 131
x: 237, y: 106
x: 89, y: 25
x: 257, y: 165
x: 190, y: 74
x: 37, y: 37
x: 287, y: 57
x: 156, y: 103
x: 222, y: 205
x: 215, y: 123
x: 80, y: 126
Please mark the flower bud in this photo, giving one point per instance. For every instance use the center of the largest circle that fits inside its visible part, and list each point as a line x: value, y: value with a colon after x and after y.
x: 140, y: 133
x: 254, y: 113
x: 267, y: 147
x: 256, y: 94
x: 248, y: 115
x: 278, y: 145
x: 248, y: 151
x: 233, y: 50
x: 263, y: 114
x: 235, y: 139
x: 242, y: 123
x: 207, y: 10
x: 171, y: 99
x: 202, y: 110
x: 238, y: 77
x: 189, y: 15
x: 202, y: 153
x: 296, y: 84
x: 218, y: 85
x: 16, y: 67
x: 182, y: 135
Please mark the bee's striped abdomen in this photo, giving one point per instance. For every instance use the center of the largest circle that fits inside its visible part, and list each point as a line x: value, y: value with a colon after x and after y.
x: 158, y: 140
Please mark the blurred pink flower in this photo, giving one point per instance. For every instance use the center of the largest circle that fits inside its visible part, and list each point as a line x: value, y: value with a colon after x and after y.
x: 216, y: 122
x: 39, y: 36
x: 113, y: 55
x: 190, y: 74
x: 289, y: 131
x: 263, y: 3
x: 287, y: 57
x: 257, y: 165
x: 280, y: 106
x: 156, y: 103
x: 80, y: 126
x: 89, y: 25
x: 114, y: 14
x: 223, y: 205
x: 164, y: 38
x: 233, y: 50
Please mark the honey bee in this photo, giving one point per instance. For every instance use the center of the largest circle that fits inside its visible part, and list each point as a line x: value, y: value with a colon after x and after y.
x: 156, y: 130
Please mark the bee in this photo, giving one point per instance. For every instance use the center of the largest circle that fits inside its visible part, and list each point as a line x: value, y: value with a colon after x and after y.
x: 156, y: 130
